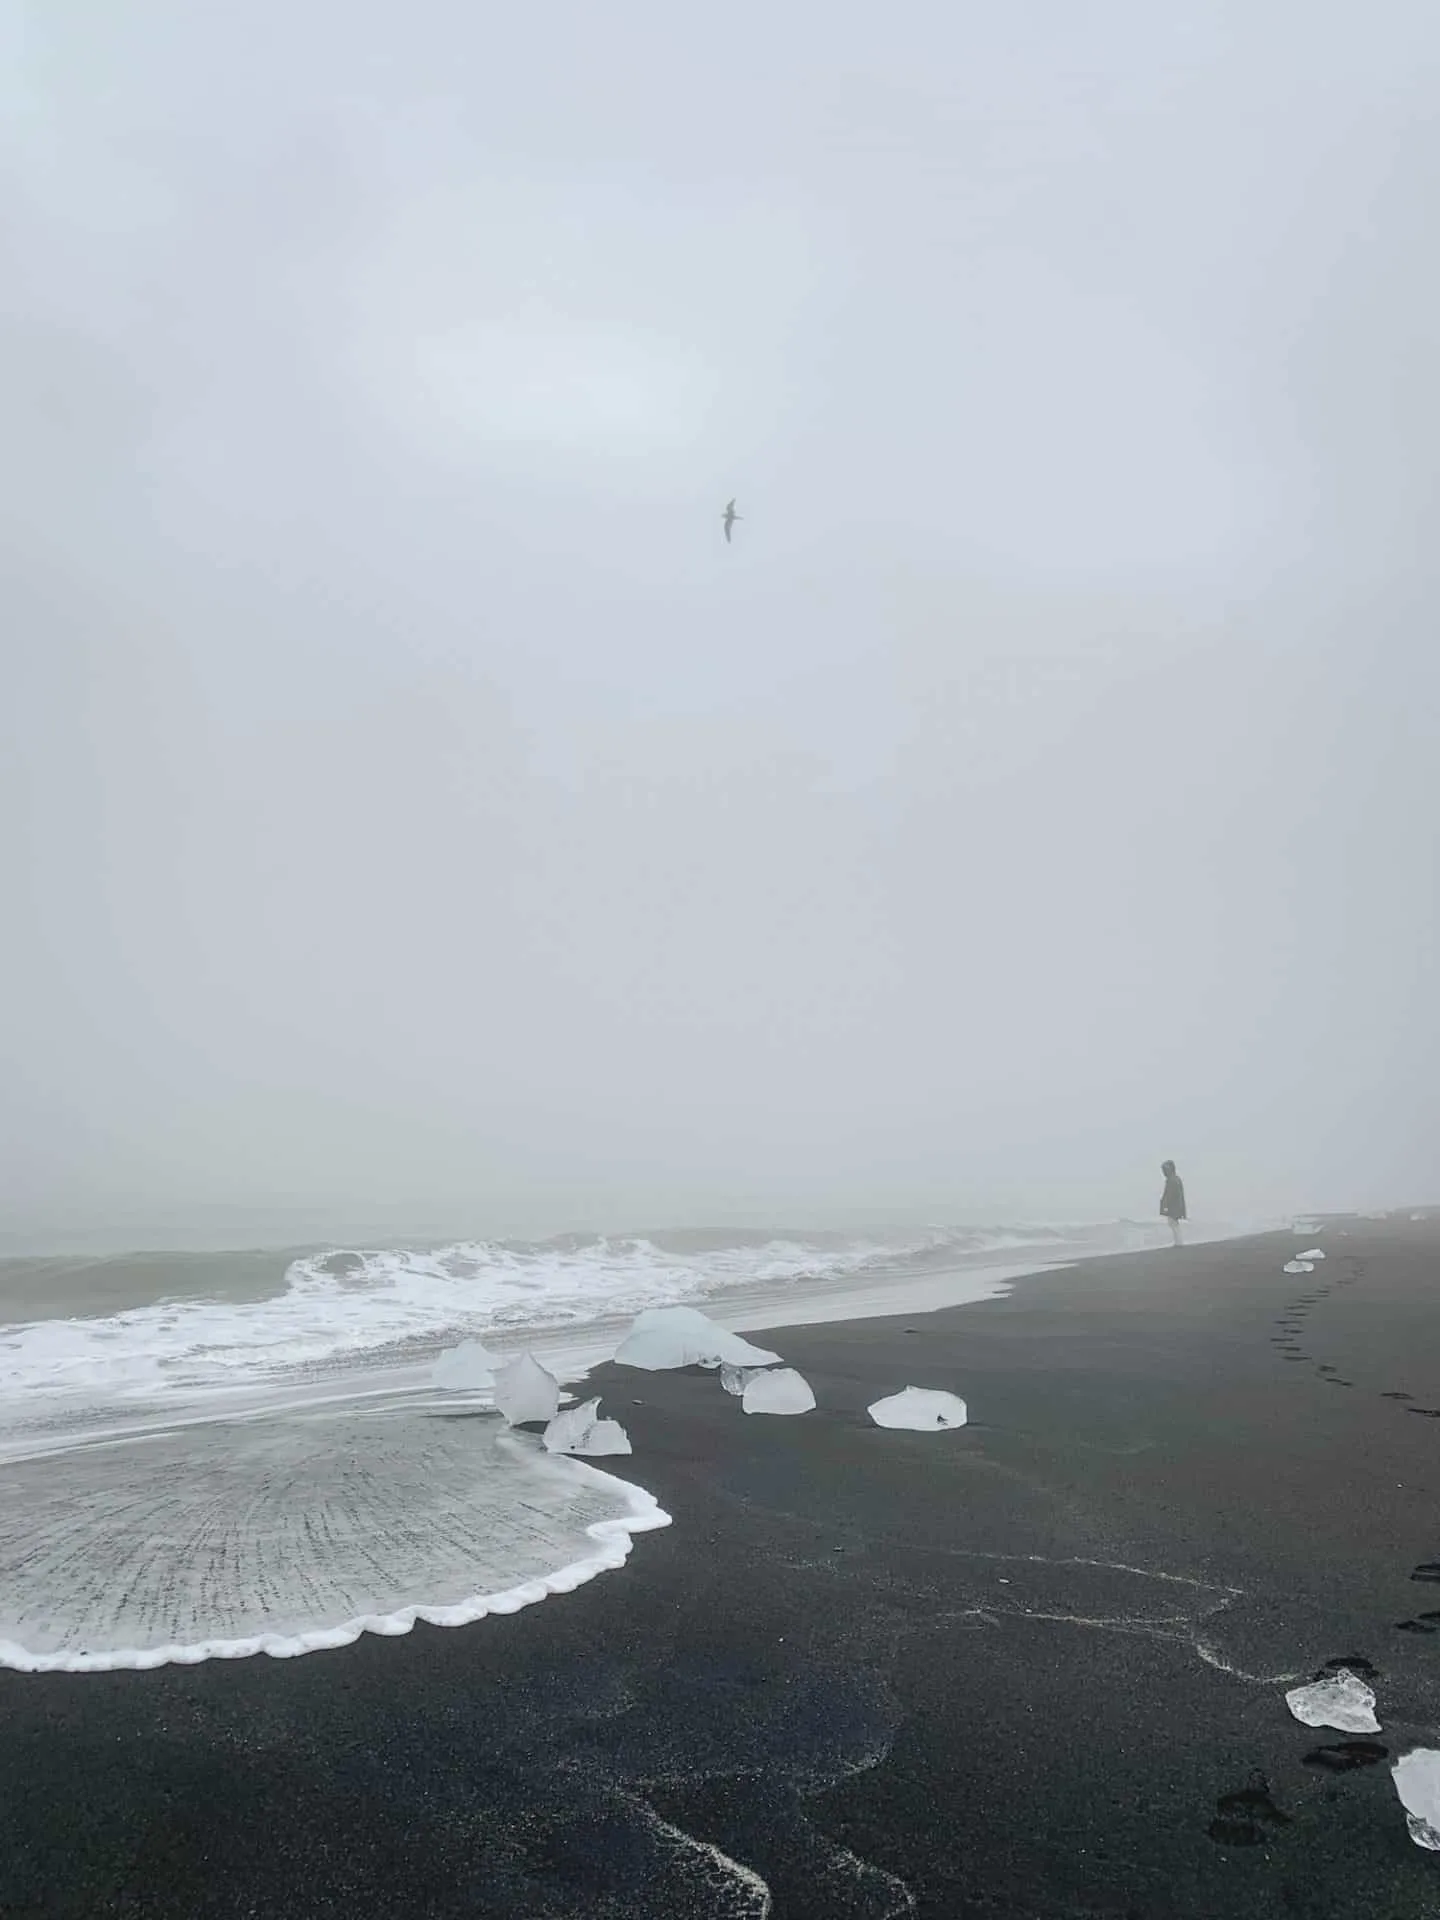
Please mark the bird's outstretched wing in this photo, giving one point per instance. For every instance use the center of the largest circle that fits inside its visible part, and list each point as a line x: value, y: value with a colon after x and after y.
x: 727, y: 533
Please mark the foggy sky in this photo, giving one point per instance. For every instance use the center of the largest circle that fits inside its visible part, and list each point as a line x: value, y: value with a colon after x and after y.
x: 408, y: 800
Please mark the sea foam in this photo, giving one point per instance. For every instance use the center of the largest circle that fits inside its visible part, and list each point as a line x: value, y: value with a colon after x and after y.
x: 286, y: 1535
x: 355, y: 1305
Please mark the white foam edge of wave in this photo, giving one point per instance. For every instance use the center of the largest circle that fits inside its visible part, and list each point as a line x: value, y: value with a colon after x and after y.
x: 613, y: 1542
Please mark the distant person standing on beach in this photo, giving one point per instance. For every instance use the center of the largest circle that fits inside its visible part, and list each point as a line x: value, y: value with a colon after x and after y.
x: 1172, y: 1201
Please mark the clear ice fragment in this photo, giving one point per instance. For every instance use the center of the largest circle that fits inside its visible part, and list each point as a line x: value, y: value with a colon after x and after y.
x: 1311, y: 1253
x: 1299, y: 1266
x: 524, y: 1390
x: 733, y: 1379
x: 468, y: 1368
x: 581, y: 1430
x: 921, y: 1409
x: 1342, y: 1700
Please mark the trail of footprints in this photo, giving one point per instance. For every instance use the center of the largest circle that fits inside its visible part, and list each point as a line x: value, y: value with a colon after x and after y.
x: 1291, y: 1324
x: 1250, y: 1816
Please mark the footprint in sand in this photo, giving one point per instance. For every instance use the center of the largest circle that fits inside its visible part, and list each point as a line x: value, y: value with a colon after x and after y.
x: 1247, y: 1818
x: 1357, y: 1664
x: 1345, y: 1755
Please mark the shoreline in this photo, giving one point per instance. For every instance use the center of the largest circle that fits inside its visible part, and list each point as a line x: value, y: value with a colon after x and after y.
x: 1031, y: 1667
x: 571, y: 1350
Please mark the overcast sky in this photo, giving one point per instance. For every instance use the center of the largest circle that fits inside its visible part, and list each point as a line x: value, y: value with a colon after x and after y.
x: 410, y: 801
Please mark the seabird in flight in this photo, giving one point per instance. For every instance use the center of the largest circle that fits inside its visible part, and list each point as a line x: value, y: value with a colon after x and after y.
x: 730, y: 517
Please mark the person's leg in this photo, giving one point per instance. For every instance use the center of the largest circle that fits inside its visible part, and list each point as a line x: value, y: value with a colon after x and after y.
x: 1175, y: 1232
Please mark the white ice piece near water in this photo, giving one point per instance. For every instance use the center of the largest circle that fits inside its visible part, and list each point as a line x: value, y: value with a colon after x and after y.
x: 581, y: 1430
x: 524, y: 1390
x: 1299, y: 1266
x: 666, y: 1337
x: 1341, y: 1700
x: 1417, y: 1781
x: 921, y: 1409
x: 468, y: 1368
x: 777, y: 1390
x: 1311, y: 1253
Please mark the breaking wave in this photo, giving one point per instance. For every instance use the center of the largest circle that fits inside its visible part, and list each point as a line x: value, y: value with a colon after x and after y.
x: 346, y: 1305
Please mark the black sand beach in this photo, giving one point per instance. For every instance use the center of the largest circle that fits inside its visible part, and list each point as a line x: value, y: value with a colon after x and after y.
x: 1031, y: 1669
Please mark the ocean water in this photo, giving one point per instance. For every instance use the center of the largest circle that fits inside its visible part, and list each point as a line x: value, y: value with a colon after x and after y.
x: 219, y: 1454
x: 164, y: 1323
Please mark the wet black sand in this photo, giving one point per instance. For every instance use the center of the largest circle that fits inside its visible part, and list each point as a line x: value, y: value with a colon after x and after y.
x: 992, y: 1674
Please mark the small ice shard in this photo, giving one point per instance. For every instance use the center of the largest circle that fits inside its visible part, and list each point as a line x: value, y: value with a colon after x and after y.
x: 1299, y: 1266
x: 467, y: 1367
x: 1417, y: 1781
x: 581, y: 1430
x: 524, y: 1391
x: 1311, y: 1253
x: 665, y: 1337
x: 734, y: 1379
x: 777, y: 1390
x: 1341, y: 1700
x: 921, y: 1409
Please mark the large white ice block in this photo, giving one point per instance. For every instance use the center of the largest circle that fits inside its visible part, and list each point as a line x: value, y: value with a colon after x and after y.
x: 665, y: 1337
x: 777, y: 1390
x: 1417, y: 1781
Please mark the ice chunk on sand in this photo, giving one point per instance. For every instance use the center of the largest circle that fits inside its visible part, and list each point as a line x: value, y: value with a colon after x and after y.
x: 735, y: 1379
x: 1311, y: 1253
x: 468, y: 1368
x: 922, y: 1409
x: 664, y: 1337
x: 524, y: 1390
x: 777, y: 1390
x: 1417, y: 1781
x: 1299, y: 1266
x: 581, y: 1430
x: 1341, y: 1700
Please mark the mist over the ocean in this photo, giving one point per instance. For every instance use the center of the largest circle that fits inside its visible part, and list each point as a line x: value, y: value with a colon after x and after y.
x: 415, y: 818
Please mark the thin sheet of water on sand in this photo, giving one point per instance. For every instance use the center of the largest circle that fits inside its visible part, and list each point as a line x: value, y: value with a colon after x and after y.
x: 287, y: 1534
